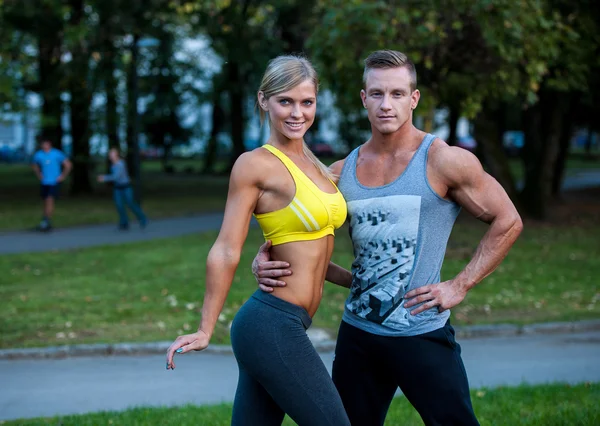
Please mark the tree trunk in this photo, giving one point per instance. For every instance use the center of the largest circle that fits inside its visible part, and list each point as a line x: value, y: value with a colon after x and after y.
x: 133, y: 148
x: 563, y: 150
x: 543, y: 126
x: 218, y: 115
x: 110, y: 89
x: 488, y: 135
x: 79, y: 107
x: 453, y: 117
x: 236, y: 98
x: 50, y: 77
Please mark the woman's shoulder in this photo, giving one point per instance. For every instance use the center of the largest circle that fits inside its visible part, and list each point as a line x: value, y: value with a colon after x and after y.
x: 257, y: 162
x: 259, y: 158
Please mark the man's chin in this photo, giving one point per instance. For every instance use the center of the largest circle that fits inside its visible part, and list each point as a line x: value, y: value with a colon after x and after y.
x: 388, y: 130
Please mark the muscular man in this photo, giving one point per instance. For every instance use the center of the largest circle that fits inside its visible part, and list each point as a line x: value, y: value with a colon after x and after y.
x: 404, y: 190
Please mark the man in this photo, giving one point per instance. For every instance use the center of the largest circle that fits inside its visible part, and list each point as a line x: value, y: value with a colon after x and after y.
x: 51, y: 167
x: 404, y: 190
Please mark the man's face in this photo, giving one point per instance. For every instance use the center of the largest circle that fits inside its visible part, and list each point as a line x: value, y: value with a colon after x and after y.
x: 46, y: 146
x: 388, y: 98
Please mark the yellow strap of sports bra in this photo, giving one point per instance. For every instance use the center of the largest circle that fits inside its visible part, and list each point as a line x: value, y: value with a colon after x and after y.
x: 295, y: 171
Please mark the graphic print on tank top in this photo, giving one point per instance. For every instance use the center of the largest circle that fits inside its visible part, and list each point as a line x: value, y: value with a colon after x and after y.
x: 384, y: 231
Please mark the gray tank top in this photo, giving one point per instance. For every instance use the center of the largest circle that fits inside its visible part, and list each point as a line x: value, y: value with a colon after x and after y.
x: 399, y: 232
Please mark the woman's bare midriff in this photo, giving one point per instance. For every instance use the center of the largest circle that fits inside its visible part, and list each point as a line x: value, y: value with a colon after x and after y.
x: 308, y: 261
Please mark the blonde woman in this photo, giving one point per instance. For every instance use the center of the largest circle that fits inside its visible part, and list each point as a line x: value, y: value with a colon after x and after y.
x: 298, y: 207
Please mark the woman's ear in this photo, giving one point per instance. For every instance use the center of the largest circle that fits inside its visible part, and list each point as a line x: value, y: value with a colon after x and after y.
x: 262, y: 101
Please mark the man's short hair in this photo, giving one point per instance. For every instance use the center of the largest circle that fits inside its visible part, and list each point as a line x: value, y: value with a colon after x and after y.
x: 385, y: 59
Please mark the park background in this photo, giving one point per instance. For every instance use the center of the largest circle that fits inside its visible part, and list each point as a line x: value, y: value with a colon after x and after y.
x: 172, y: 83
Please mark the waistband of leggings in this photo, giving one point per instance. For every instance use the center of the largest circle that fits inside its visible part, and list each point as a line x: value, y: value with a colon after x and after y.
x: 284, y: 306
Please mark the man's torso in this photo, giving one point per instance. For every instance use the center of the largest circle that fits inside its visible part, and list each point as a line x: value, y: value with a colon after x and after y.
x: 399, y: 227
x: 50, y: 165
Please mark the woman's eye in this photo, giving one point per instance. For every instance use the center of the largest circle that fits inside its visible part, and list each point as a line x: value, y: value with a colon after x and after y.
x: 308, y: 103
x: 284, y: 102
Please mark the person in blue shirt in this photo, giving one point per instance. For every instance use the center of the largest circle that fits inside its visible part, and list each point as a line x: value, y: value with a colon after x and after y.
x: 122, y: 191
x: 51, y: 166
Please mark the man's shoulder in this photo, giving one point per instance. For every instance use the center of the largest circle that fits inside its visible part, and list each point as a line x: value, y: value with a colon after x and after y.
x: 452, y: 162
x: 55, y: 152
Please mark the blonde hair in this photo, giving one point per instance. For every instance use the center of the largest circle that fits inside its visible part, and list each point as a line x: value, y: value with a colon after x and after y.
x: 282, y: 74
x: 385, y: 59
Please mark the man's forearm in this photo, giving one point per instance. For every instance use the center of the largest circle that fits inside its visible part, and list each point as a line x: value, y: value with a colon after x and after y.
x: 67, y: 166
x: 37, y: 171
x: 492, y: 249
x: 338, y: 275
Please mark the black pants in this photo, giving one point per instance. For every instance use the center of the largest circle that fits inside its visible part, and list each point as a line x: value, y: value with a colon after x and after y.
x: 368, y: 369
x: 280, y: 370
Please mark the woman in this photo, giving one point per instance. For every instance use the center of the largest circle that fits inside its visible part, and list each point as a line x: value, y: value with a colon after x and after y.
x: 298, y: 207
x: 122, y: 192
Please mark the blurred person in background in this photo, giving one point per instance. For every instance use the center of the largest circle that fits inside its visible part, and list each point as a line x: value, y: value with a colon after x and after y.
x: 51, y: 166
x: 122, y: 191
x: 293, y: 197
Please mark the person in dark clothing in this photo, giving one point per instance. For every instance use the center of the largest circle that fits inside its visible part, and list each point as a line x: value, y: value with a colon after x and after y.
x: 122, y: 191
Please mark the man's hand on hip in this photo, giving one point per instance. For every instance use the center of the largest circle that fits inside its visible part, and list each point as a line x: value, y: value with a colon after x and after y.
x: 444, y: 295
x: 266, y: 270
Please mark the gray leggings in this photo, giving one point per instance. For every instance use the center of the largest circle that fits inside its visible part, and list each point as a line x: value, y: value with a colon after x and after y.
x: 280, y: 370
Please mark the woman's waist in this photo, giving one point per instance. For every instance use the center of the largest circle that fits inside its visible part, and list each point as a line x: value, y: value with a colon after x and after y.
x: 300, y: 291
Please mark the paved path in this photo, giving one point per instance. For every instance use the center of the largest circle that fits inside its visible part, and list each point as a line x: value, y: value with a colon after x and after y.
x: 90, y: 236
x: 33, y: 388
x: 97, y: 235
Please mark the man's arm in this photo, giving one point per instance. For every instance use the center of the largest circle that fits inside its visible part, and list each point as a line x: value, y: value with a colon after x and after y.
x: 66, y: 169
x: 338, y: 275
x: 482, y: 196
x: 36, y: 169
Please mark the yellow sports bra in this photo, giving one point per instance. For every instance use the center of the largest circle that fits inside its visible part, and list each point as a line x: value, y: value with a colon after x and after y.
x: 311, y: 215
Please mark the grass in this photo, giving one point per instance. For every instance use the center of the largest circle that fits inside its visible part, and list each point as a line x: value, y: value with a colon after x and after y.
x: 152, y: 290
x: 546, y: 405
x: 164, y: 195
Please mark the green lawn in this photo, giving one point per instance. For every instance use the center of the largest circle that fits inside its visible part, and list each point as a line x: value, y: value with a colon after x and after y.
x: 153, y: 290
x: 548, y: 405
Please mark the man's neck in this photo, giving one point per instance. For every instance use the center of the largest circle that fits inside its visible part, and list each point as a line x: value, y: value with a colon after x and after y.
x: 407, y: 137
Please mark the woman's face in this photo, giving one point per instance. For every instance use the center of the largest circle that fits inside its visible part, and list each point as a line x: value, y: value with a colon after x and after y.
x: 291, y: 113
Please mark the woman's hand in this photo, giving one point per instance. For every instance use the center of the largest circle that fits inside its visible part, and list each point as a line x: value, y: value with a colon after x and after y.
x: 188, y: 342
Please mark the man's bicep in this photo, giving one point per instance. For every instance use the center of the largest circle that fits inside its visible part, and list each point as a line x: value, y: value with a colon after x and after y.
x: 482, y: 196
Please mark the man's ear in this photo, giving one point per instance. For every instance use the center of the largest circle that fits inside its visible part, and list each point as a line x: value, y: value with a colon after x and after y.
x: 363, y: 97
x: 414, y: 99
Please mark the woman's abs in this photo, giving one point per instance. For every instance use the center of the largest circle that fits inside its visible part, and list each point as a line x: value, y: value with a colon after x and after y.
x: 308, y: 261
